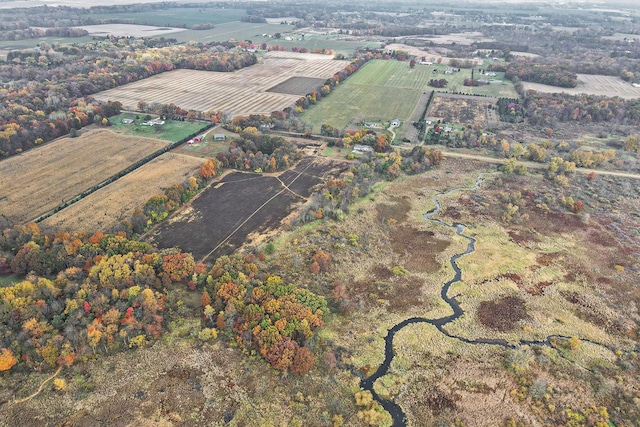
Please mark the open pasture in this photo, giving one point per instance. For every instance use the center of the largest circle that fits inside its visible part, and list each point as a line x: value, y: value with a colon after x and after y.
x: 40, y: 179
x: 592, y: 85
x: 105, y: 208
x: 209, y: 228
x: 388, y: 90
x: 241, y: 93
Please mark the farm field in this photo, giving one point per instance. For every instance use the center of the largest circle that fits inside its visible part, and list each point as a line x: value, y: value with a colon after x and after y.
x: 208, y: 228
x: 171, y: 17
x: 592, y: 85
x: 128, y: 30
x: 234, y: 30
x: 241, y: 93
x: 297, y: 86
x: 105, y: 208
x: 387, y: 90
x: 40, y: 179
x: 171, y: 131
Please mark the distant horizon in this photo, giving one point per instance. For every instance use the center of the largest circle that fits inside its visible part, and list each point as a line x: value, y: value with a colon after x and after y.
x: 11, y: 4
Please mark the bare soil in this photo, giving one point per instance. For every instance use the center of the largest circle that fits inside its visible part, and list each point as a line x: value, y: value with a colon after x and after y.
x: 297, y: 85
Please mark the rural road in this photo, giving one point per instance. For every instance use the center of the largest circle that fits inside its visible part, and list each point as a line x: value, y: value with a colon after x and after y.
x: 534, y: 165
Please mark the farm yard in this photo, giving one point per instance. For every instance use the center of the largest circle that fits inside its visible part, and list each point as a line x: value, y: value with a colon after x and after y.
x: 390, y: 89
x: 40, y: 179
x: 592, y: 85
x: 460, y: 109
x: 171, y: 130
x: 240, y: 93
x: 208, y: 228
x: 106, y: 207
x: 208, y: 147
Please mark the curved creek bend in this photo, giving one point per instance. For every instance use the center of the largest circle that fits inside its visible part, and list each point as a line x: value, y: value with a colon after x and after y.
x: 396, y: 412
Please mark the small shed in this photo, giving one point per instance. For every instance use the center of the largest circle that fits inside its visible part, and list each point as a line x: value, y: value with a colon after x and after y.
x: 219, y: 137
x: 127, y: 121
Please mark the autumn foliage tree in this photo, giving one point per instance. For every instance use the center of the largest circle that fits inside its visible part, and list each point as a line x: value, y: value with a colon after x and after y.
x: 7, y: 359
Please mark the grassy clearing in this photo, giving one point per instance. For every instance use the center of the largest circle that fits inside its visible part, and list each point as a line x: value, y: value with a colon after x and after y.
x: 495, y: 254
x: 171, y: 130
x: 388, y: 90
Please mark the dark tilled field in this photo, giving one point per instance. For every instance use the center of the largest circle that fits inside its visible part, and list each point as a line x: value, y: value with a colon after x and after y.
x: 220, y: 219
x: 297, y: 86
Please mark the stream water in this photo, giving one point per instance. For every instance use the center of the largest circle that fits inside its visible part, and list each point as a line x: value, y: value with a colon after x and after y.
x: 398, y: 416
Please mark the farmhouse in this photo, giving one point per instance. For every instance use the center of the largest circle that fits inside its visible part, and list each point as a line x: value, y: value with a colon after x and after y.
x: 219, y: 137
x: 153, y: 122
x: 395, y: 123
x: 127, y: 121
x: 371, y: 125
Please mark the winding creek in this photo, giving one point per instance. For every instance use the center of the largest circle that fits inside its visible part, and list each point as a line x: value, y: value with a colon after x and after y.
x: 397, y: 414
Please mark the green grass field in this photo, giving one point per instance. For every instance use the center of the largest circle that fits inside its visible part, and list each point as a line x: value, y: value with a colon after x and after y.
x: 177, y: 16
x: 388, y: 90
x: 171, y: 130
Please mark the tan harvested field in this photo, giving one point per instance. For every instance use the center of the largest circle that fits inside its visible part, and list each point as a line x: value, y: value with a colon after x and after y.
x: 40, y: 179
x: 461, y: 38
x: 241, y: 93
x: 430, y: 54
x: 128, y: 30
x: 105, y: 208
x: 592, y: 85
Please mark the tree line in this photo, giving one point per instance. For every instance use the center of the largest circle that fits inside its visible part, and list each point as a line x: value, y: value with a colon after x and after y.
x: 47, y: 92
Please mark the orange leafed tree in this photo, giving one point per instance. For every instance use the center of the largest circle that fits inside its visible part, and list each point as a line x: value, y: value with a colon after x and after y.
x: 209, y: 169
x: 178, y: 267
x: 7, y: 359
